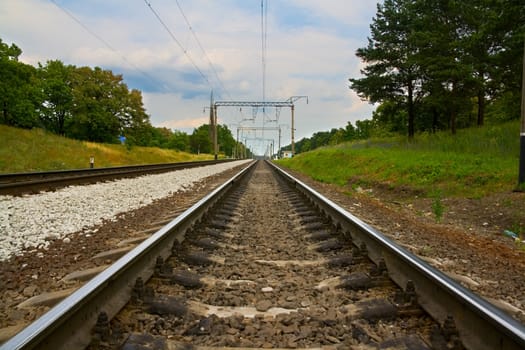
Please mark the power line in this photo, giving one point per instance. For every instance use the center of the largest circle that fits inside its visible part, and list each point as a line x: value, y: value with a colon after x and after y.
x: 178, y: 43
x: 70, y: 15
x: 263, y: 49
x: 202, y: 48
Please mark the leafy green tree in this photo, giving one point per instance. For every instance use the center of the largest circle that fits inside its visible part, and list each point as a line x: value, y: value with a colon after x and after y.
x: 506, y: 56
x: 338, y: 136
x: 391, y: 116
x: 19, y: 92
x: 319, y: 139
x: 225, y: 140
x: 93, y: 114
x: 179, y: 140
x: 391, y: 73
x: 364, y: 129
x: 56, y: 81
x: 200, y: 140
x: 104, y: 109
x: 133, y: 119
x: 481, y: 44
x: 350, y: 132
x: 160, y: 137
x: 448, y: 76
x: 304, y: 145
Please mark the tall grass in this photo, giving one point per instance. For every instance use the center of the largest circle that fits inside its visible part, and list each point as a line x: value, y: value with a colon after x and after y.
x: 472, y: 163
x: 36, y: 150
x: 500, y: 140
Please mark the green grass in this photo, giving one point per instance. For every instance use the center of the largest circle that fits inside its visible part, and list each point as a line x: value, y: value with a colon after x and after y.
x: 36, y: 150
x: 473, y: 163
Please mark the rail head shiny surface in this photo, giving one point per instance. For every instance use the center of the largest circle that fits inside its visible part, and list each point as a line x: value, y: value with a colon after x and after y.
x: 508, y: 326
x: 7, y: 177
x: 22, y: 183
x: 35, y: 334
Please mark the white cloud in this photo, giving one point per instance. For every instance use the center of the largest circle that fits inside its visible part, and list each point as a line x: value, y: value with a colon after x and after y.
x: 314, y: 59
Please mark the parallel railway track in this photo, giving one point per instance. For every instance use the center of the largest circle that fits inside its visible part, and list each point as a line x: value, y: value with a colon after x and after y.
x: 264, y: 261
x: 20, y: 183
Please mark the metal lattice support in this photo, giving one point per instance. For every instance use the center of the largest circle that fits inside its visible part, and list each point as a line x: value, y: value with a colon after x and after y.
x: 256, y: 104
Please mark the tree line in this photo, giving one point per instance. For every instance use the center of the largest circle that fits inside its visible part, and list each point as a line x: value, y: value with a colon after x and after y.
x: 91, y: 104
x: 435, y: 65
x: 362, y: 130
x: 443, y: 64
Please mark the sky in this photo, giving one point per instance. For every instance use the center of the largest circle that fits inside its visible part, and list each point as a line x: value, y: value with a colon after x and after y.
x: 178, y: 51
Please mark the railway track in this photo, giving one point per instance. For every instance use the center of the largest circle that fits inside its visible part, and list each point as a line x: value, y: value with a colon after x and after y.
x: 265, y: 262
x: 21, y: 183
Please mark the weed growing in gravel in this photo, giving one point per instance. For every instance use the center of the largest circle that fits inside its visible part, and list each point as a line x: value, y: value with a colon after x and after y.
x: 437, y: 206
x: 520, y: 231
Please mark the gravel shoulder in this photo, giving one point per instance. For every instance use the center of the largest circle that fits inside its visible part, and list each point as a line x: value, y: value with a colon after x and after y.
x: 36, y: 270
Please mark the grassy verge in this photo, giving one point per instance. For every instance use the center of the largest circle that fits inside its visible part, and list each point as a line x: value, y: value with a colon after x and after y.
x: 36, y: 150
x: 471, y: 164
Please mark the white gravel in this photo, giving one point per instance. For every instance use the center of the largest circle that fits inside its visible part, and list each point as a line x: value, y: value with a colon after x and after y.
x: 27, y: 222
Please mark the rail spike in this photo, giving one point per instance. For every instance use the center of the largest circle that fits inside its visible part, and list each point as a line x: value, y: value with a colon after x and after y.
x: 363, y: 250
x: 380, y: 270
x: 158, y: 265
x: 101, y: 332
x: 138, y: 291
x: 176, y: 249
x: 408, y: 297
x: 162, y: 268
x: 451, y: 333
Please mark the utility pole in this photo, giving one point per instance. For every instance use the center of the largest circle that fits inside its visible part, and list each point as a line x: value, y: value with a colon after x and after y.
x: 237, y: 155
x: 293, y: 131
x: 215, y: 145
x: 521, y: 176
x: 213, y: 125
x: 292, y: 99
x: 262, y: 104
x: 279, y: 149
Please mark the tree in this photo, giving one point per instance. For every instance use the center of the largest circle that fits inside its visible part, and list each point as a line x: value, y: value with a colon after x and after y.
x: 391, y: 73
x: 179, y: 140
x: 133, y: 119
x: 337, y: 136
x: 350, y: 132
x: 93, y: 114
x: 104, y: 109
x: 364, y: 129
x: 448, y: 76
x: 506, y: 60
x: 200, y: 140
x: 391, y: 116
x: 225, y: 140
x: 19, y: 93
x: 56, y: 81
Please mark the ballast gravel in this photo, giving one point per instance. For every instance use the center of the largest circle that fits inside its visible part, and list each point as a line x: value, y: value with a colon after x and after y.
x: 30, y: 221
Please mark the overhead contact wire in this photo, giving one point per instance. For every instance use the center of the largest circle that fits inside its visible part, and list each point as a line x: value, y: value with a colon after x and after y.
x: 98, y: 37
x: 177, y: 42
x: 203, y: 50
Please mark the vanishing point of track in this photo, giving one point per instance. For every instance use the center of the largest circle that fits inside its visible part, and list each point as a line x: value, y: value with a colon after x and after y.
x: 264, y: 261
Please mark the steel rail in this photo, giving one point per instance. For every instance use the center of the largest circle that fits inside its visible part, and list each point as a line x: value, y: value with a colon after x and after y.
x: 35, y: 180
x: 480, y: 324
x: 68, y: 325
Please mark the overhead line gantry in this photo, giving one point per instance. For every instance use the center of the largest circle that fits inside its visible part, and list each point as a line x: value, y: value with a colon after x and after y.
x: 254, y: 104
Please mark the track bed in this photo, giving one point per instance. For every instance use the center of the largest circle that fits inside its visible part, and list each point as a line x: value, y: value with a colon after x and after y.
x: 266, y: 270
